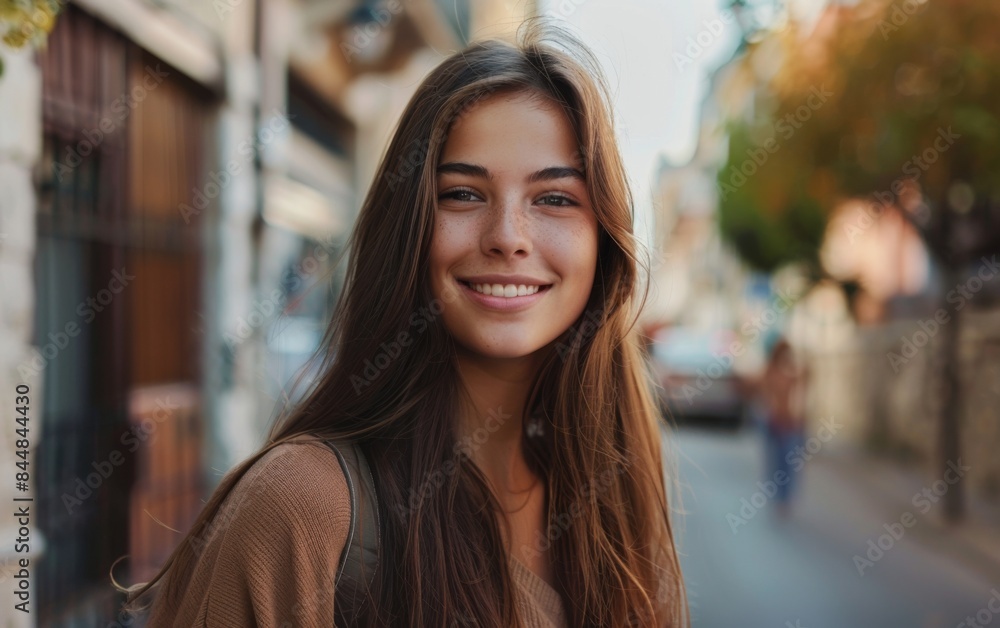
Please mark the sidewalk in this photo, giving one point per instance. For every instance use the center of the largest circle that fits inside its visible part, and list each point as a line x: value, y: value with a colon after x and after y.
x: 975, y: 542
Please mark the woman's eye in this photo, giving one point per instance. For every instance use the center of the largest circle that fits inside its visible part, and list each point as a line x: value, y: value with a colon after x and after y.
x: 558, y: 200
x: 467, y: 196
x: 458, y: 195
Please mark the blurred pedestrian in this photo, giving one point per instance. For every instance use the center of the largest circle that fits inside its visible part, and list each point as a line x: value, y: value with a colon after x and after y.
x: 782, y: 386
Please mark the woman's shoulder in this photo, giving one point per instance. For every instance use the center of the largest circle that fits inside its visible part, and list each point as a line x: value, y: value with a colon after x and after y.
x: 299, y: 484
x: 300, y: 474
x: 272, y: 549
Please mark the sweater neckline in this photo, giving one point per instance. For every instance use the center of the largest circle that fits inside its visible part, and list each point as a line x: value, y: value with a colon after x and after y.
x: 544, y: 591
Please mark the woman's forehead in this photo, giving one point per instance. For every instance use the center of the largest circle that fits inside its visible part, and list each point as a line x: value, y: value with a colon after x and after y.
x: 513, y: 132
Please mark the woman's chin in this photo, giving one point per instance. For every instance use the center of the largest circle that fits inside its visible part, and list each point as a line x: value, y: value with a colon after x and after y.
x: 510, y: 350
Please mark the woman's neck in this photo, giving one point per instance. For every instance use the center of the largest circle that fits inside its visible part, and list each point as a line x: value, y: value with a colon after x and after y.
x: 491, y: 418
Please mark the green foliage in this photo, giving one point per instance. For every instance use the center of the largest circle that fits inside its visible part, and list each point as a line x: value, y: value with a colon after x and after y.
x: 914, y: 92
x: 765, y: 210
x: 913, y: 76
x: 26, y: 22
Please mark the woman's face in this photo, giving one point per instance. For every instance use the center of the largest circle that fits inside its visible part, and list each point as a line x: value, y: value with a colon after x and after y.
x: 515, y: 234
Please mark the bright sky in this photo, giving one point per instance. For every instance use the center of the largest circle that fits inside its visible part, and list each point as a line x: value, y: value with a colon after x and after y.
x: 657, y: 94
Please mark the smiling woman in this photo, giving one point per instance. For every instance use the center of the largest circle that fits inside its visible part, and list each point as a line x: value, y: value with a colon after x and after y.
x: 513, y: 462
x: 513, y: 226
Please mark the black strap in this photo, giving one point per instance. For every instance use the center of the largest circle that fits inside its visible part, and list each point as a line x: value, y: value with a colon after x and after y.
x: 359, y: 560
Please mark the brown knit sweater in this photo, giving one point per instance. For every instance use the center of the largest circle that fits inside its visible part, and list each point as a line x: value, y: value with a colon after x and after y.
x: 270, y: 556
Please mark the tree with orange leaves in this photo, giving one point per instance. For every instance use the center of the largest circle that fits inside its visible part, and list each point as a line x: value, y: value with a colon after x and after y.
x: 910, y: 123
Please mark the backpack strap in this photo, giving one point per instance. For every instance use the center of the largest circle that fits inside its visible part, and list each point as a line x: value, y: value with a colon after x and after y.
x: 359, y: 559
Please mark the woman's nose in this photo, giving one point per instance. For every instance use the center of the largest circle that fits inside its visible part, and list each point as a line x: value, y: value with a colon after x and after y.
x: 507, y: 229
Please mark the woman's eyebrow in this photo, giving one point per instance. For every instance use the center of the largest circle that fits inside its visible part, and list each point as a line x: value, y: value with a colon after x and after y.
x: 545, y: 174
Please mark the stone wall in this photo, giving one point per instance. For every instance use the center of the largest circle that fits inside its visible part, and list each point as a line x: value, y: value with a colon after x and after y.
x: 893, y: 403
x: 20, y: 146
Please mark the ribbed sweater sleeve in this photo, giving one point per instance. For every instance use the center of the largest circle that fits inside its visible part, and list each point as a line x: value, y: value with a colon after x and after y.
x: 271, y: 558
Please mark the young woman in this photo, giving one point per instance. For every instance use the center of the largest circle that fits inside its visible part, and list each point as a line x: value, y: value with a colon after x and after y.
x: 483, y: 358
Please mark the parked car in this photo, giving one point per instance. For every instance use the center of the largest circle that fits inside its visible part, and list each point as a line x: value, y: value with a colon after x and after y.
x: 695, y: 372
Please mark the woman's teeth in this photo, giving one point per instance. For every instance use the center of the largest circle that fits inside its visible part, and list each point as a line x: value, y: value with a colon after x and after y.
x: 510, y: 290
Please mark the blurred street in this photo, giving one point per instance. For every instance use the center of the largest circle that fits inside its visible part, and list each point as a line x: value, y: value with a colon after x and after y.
x: 800, y: 572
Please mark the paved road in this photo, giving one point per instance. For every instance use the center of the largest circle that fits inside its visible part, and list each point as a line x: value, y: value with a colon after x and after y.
x: 800, y: 572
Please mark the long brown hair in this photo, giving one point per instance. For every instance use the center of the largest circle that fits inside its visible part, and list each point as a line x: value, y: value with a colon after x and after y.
x: 610, y: 532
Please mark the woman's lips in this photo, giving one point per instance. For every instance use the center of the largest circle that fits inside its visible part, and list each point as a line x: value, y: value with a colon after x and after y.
x: 502, y: 304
